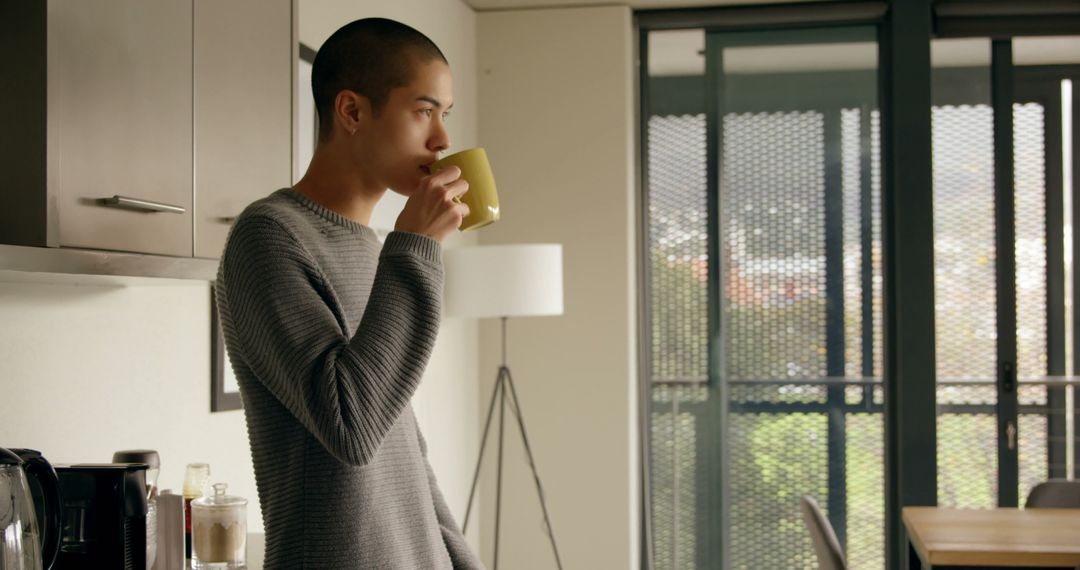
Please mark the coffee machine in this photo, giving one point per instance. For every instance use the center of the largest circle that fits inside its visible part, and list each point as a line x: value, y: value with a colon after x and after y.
x: 104, y: 516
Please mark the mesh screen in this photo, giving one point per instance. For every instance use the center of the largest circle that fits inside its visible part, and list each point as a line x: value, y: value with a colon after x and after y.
x: 865, y: 490
x: 678, y: 247
x: 674, y: 462
x: 851, y: 153
x: 878, y: 280
x: 853, y: 395
x: 773, y: 231
x: 854, y: 176
x: 772, y: 219
x: 965, y: 297
x: 774, y: 460
x: 754, y: 392
x: 975, y: 392
x: 1029, y: 182
x: 967, y: 460
x: 772, y: 224
x: 679, y: 329
x: 1029, y: 163
x: 964, y: 275
x: 773, y: 239
x: 1034, y: 463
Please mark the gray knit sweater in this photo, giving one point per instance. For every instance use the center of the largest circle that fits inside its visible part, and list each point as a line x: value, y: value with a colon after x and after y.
x: 328, y: 337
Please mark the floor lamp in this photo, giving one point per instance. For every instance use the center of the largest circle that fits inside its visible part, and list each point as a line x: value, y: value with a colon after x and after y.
x: 505, y: 281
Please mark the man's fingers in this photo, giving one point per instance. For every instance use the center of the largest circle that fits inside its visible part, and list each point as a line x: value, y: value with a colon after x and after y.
x: 445, y: 176
x: 455, y: 189
x: 461, y: 211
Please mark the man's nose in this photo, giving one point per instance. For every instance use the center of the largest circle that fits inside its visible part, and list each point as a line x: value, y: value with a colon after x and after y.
x: 440, y: 138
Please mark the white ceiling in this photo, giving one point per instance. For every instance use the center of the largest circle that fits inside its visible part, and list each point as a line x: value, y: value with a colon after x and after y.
x: 680, y: 52
x: 482, y: 5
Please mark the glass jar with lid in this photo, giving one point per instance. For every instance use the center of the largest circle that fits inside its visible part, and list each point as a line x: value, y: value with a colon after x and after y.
x: 219, y: 531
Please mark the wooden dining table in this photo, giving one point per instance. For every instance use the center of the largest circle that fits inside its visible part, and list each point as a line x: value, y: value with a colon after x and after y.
x: 940, y: 537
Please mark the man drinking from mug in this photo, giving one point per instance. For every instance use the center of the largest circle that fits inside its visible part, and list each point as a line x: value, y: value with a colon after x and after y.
x: 329, y: 331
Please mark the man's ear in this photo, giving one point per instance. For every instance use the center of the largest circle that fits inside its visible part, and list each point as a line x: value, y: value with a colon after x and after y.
x: 351, y: 110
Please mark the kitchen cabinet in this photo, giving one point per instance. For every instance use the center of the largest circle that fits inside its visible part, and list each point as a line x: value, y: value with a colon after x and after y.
x: 244, y: 92
x: 143, y: 126
x: 120, y: 123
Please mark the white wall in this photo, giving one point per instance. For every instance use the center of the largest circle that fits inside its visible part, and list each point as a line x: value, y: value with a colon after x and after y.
x: 89, y: 366
x: 558, y: 109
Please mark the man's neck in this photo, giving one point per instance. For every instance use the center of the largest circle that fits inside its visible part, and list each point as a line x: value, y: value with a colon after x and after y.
x: 332, y: 182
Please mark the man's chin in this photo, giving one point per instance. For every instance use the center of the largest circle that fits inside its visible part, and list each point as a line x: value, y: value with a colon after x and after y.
x: 405, y: 193
x: 407, y: 186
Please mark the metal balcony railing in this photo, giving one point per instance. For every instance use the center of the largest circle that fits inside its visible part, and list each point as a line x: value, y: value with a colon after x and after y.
x: 825, y: 436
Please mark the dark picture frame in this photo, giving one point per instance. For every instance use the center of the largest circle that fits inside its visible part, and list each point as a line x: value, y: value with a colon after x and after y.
x: 224, y: 394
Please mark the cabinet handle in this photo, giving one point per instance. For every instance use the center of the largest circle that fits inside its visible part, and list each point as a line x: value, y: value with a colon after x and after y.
x: 141, y: 205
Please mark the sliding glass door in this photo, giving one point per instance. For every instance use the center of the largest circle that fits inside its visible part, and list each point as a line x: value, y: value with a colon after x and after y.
x: 765, y: 289
x: 1000, y: 259
x: 764, y: 285
x: 798, y: 369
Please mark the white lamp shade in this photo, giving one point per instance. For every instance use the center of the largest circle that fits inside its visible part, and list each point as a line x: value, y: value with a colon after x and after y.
x: 504, y: 280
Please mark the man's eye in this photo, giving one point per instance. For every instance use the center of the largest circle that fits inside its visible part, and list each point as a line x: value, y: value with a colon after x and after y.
x: 446, y: 115
x: 425, y: 112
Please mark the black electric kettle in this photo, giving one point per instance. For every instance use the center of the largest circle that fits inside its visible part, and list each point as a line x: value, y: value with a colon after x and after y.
x: 28, y: 541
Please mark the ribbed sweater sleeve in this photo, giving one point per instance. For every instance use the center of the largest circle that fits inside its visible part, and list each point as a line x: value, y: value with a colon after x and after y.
x: 347, y: 390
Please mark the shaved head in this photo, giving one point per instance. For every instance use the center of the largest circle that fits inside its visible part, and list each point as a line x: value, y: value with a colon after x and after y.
x: 371, y: 56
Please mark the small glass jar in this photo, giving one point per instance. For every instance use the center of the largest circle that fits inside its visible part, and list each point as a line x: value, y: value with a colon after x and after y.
x: 219, y: 531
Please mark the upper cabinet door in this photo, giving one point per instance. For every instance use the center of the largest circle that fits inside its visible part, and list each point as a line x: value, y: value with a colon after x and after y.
x: 120, y: 124
x: 245, y: 60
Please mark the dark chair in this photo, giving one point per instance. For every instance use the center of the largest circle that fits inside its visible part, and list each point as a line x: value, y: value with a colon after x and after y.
x: 1054, y: 494
x: 829, y: 554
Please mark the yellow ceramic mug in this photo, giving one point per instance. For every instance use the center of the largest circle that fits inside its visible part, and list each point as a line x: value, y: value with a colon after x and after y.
x: 482, y: 199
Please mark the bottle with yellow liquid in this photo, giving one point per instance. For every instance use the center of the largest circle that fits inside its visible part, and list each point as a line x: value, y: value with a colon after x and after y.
x: 195, y: 479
